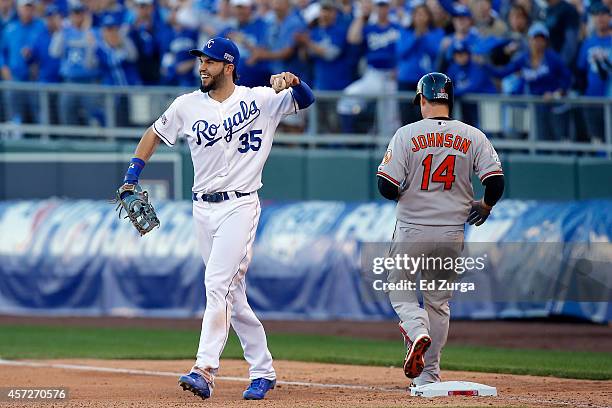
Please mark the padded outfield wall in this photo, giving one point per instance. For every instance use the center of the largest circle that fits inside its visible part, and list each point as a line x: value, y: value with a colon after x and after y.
x: 75, y: 257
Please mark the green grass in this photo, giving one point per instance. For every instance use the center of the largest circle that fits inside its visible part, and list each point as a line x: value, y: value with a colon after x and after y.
x: 36, y: 342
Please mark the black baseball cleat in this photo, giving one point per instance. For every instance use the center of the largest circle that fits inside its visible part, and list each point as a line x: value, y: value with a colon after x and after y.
x: 415, y: 356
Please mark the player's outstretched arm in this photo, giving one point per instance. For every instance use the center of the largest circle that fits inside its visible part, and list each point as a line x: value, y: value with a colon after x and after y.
x: 302, y: 94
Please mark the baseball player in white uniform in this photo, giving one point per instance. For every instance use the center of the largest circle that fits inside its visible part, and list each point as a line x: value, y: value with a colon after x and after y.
x: 229, y: 130
x: 428, y: 170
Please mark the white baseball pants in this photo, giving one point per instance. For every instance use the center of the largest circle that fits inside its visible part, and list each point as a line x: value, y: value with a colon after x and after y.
x: 225, y: 232
x: 373, y: 82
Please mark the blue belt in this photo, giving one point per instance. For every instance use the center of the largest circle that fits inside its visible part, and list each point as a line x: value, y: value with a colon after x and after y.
x: 218, y: 197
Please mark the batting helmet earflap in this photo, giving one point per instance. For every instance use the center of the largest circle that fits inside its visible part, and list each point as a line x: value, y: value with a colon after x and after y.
x: 437, y: 87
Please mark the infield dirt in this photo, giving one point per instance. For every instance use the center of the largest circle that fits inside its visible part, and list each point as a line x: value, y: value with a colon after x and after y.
x: 88, y: 388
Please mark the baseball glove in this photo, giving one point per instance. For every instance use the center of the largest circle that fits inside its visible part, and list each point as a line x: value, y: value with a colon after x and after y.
x: 136, y: 204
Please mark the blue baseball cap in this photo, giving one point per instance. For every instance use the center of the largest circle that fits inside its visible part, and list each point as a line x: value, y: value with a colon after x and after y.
x: 538, y: 29
x: 110, y: 20
x: 460, y: 10
x: 219, y: 49
x: 459, y: 46
x: 52, y: 10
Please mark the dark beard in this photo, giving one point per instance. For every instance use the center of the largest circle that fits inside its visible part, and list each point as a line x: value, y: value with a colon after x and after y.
x: 214, y: 83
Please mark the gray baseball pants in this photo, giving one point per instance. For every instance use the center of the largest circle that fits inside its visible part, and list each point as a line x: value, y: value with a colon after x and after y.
x: 426, y: 242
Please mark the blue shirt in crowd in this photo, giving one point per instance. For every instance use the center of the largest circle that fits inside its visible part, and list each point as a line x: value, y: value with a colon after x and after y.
x: 6, y: 20
x: 16, y: 47
x: 332, y: 72
x: 594, y: 53
x: 416, y: 54
x: 151, y: 42
x: 118, y: 65
x: 281, y: 34
x: 470, y: 78
x: 183, y: 40
x: 77, y: 51
x: 473, y: 38
x: 48, y: 66
x: 551, y: 75
x: 380, y: 45
x: 255, y: 33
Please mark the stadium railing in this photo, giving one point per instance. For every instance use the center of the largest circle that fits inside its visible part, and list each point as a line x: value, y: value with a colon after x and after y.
x: 514, y: 123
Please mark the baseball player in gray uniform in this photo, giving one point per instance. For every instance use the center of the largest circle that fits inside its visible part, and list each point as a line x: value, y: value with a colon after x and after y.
x: 428, y: 169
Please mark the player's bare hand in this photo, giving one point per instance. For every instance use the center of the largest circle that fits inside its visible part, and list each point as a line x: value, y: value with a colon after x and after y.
x: 284, y: 80
x: 478, y: 213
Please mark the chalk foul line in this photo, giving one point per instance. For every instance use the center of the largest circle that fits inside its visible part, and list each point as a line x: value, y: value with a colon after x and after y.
x: 117, y: 370
x: 172, y: 374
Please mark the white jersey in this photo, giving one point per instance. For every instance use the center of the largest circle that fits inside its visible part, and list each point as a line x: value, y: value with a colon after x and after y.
x: 432, y: 162
x: 230, y: 140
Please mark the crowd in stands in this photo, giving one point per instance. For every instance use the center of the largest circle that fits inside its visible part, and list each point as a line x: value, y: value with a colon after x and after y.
x: 537, y: 47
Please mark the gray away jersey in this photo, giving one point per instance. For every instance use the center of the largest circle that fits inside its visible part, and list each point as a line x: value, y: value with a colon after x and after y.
x: 432, y: 162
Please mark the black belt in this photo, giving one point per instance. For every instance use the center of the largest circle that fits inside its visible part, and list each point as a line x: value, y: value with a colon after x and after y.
x: 218, y: 197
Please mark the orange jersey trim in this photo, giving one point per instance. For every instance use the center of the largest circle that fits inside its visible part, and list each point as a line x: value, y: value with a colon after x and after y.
x: 492, y: 173
x: 388, y: 177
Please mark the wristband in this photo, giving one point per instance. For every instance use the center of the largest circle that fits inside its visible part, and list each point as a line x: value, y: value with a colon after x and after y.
x: 303, y: 95
x: 133, y: 171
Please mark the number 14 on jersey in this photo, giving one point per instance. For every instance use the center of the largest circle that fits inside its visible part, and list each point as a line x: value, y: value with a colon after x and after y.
x: 444, y: 173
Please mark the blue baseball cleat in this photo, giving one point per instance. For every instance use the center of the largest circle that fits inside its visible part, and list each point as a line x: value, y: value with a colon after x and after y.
x: 195, y: 383
x: 258, y: 388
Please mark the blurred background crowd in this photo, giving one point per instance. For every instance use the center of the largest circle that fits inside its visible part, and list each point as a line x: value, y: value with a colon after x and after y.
x: 549, y: 48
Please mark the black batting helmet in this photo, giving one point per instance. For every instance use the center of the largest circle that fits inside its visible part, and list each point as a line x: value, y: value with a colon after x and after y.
x: 437, y: 87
